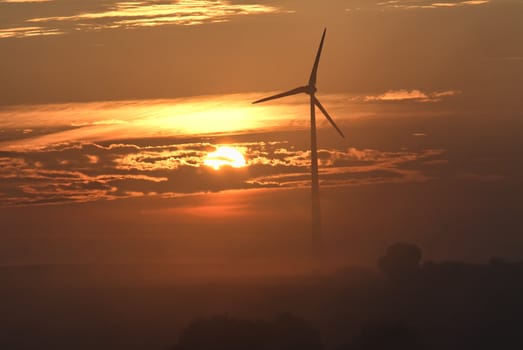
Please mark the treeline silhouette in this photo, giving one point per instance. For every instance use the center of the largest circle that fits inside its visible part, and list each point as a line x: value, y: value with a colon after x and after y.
x: 404, y: 303
x: 447, y: 305
x: 286, y: 332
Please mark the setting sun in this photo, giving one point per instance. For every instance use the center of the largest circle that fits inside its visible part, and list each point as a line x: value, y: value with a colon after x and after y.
x: 225, y: 155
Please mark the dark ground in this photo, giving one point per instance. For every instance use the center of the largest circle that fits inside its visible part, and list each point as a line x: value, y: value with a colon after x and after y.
x: 405, y: 304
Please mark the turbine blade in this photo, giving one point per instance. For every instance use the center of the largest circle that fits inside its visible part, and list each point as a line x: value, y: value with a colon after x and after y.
x: 322, y: 109
x: 283, y: 94
x: 312, y: 79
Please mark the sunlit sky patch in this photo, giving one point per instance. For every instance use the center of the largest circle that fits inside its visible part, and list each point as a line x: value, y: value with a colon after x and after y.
x: 127, y: 119
x: 34, y: 127
x: 225, y: 156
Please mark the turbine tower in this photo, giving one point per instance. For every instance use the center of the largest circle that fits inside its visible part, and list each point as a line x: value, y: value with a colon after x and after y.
x: 310, y: 89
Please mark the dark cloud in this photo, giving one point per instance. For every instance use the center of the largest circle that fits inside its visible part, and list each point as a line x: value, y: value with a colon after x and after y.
x: 90, y: 171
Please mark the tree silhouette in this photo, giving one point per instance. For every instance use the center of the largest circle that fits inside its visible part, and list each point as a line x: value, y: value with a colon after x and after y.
x: 287, y: 332
x: 385, y: 336
x: 401, y: 261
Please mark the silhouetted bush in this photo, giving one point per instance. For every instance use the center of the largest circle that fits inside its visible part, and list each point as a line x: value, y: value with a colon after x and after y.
x: 401, y: 261
x: 385, y: 336
x: 287, y: 332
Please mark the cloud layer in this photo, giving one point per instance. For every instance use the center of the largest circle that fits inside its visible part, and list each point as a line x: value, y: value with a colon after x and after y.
x: 133, y: 14
x: 90, y: 171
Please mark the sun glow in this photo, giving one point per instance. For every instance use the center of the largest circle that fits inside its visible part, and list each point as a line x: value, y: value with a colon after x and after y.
x: 225, y: 156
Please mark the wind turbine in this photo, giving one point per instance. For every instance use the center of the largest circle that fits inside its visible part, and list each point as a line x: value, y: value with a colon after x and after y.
x: 310, y: 89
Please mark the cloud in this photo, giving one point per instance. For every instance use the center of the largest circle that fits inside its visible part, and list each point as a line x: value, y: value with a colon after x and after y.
x: 24, y: 32
x: 100, y: 121
x: 88, y: 171
x: 394, y: 95
x: 413, y: 5
x: 133, y: 14
x: 408, y: 5
x: 411, y: 95
x: 23, y: 1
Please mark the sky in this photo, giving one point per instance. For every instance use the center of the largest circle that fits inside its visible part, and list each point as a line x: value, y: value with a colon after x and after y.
x: 109, y: 112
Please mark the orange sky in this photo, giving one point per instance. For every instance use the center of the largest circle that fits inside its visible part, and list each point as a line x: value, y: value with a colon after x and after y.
x: 104, y: 50
x: 112, y: 107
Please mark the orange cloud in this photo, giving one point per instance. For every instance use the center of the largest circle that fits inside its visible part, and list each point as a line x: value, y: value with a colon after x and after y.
x: 413, y: 95
x: 406, y: 5
x: 23, y: 1
x: 23, y: 32
x: 128, y: 14
x: 132, y: 14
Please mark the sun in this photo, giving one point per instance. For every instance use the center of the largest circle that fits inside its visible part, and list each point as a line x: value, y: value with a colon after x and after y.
x: 225, y: 156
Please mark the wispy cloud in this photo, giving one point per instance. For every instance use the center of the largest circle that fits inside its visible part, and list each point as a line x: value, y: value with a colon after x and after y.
x: 413, y: 5
x: 24, y: 32
x: 349, y: 167
x: 154, y: 13
x: 411, y: 95
x: 132, y: 14
x: 23, y: 1
x: 407, y: 5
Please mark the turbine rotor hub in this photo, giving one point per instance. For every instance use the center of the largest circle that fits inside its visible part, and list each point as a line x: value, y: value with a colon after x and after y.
x: 310, y: 89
